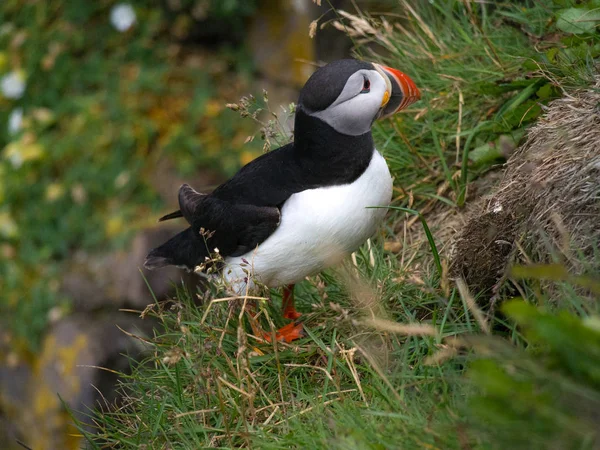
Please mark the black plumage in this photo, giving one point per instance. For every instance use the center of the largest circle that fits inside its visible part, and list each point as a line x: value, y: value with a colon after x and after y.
x: 244, y: 211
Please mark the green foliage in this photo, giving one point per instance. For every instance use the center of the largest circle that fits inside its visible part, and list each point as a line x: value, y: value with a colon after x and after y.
x: 100, y: 110
x: 544, y: 396
x: 578, y: 20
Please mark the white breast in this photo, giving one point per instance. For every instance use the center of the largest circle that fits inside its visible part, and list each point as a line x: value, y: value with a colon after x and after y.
x: 319, y: 227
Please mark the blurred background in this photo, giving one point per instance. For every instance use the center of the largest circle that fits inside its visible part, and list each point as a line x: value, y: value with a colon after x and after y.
x: 106, y: 107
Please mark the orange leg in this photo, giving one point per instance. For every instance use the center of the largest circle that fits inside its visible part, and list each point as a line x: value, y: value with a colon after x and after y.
x: 256, y: 328
x: 288, y: 333
x: 289, y: 309
x: 291, y: 331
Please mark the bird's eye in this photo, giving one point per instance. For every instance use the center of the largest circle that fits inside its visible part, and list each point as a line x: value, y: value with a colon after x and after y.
x: 366, y: 86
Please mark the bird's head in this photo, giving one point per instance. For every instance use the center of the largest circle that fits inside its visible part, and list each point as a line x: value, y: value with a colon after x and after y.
x: 349, y: 95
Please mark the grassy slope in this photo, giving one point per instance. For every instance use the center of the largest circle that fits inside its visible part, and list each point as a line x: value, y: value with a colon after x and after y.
x: 207, y: 383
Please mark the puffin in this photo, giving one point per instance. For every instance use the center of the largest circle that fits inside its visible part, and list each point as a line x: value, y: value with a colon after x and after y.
x: 297, y: 210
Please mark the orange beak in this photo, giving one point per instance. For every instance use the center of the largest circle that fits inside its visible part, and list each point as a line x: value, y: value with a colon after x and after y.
x: 404, y: 92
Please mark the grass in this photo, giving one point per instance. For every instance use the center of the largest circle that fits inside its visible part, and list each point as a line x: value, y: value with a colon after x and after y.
x: 206, y: 383
x: 395, y: 356
x: 485, y: 71
x: 232, y: 391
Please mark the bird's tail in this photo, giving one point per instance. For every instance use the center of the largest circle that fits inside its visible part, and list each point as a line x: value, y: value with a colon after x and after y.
x: 186, y: 249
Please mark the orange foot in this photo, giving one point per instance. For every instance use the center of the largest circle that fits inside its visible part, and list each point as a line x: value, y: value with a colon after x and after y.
x: 291, y: 314
x: 289, y: 309
x: 288, y: 333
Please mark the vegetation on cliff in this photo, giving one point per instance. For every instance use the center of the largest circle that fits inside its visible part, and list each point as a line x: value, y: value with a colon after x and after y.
x: 397, y: 355
x: 97, y: 97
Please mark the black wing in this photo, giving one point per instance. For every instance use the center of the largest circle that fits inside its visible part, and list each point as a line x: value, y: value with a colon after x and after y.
x: 268, y: 180
x: 215, y: 224
x: 174, y: 215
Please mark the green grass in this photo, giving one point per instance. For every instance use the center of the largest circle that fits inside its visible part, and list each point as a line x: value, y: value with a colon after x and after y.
x: 496, y: 62
x: 340, y: 362
x: 206, y: 383
x: 453, y: 378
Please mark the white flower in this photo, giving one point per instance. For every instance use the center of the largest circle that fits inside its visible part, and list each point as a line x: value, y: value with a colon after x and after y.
x: 122, y: 16
x: 122, y: 179
x: 12, y: 85
x: 15, y: 121
x: 6, y: 29
x: 16, y: 159
x: 8, y: 227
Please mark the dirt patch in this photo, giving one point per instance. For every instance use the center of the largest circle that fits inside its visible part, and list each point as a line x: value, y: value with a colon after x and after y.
x: 547, y: 207
x: 483, y: 248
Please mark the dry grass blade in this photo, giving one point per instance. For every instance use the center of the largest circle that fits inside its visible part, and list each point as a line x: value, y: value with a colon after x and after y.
x: 412, y: 329
x: 307, y: 410
x: 227, y: 299
x: 381, y: 373
x: 308, y: 366
x: 470, y: 302
x: 424, y: 27
x: 461, y: 102
x: 358, y: 26
x: 349, y: 357
x: 444, y: 354
x: 193, y: 413
x: 135, y: 336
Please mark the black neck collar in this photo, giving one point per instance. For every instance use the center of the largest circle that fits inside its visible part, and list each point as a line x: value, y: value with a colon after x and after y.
x: 317, y: 138
x: 333, y: 156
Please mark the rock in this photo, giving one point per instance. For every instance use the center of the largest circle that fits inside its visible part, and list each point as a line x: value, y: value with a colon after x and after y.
x: 66, y: 370
x: 13, y: 401
x: 113, y: 280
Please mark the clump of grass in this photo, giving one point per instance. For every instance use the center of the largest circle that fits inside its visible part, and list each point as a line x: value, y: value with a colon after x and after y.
x: 208, y: 383
x: 356, y: 381
x: 485, y: 72
x: 545, y: 207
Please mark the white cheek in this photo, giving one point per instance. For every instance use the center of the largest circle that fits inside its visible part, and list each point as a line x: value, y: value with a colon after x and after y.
x: 378, y: 89
x: 355, y: 116
x: 360, y: 111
